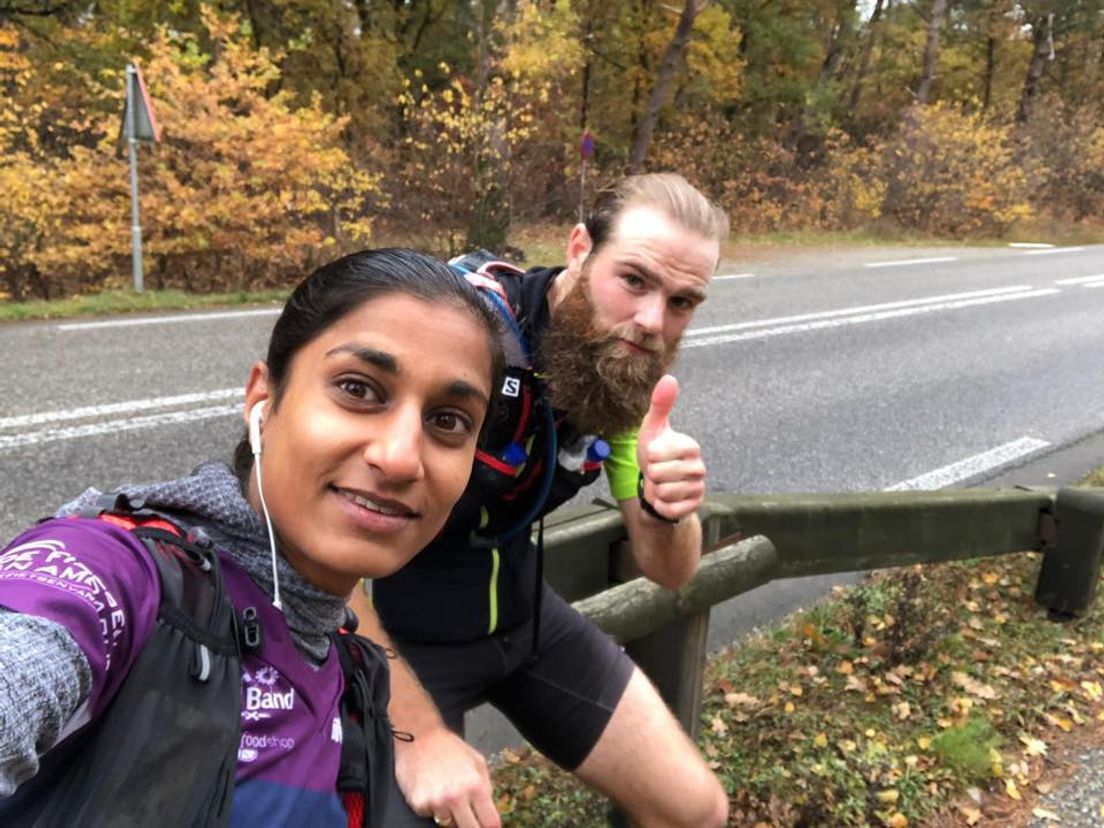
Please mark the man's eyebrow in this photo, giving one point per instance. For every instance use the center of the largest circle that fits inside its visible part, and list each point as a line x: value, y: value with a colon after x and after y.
x: 466, y: 391
x: 381, y: 359
x: 695, y: 294
x: 642, y: 268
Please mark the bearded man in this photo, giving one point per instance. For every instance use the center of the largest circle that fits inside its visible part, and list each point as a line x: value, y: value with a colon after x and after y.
x: 471, y: 616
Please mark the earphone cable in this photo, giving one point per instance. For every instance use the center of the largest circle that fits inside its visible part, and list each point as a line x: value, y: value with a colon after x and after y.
x: 271, y: 536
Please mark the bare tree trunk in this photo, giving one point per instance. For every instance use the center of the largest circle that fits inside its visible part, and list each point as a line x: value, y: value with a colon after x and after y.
x: 673, y: 58
x: 990, y: 68
x: 584, y: 105
x: 864, y: 61
x: 842, y: 35
x: 642, y: 64
x: 1094, y: 59
x: 931, y: 49
x: 588, y: 38
x: 489, y: 225
x: 1043, y: 34
x: 254, y: 22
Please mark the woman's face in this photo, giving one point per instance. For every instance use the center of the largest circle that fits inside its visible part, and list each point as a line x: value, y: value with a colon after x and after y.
x: 373, y: 439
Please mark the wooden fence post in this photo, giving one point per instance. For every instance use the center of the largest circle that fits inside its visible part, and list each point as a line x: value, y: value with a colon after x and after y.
x: 1071, y: 567
x: 674, y: 656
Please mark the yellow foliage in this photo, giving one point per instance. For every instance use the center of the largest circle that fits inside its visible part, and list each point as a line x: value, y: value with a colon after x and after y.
x: 761, y: 184
x: 468, y: 146
x: 944, y: 172
x: 1064, y: 150
x: 245, y: 189
x: 714, y: 59
x: 952, y: 173
x: 543, y: 42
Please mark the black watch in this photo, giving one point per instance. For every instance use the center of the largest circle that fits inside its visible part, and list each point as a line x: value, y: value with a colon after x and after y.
x: 648, y: 507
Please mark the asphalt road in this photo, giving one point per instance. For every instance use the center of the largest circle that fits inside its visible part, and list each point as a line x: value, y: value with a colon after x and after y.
x: 821, y: 371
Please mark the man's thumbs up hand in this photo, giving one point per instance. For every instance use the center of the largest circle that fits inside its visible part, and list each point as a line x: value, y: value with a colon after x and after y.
x: 670, y: 461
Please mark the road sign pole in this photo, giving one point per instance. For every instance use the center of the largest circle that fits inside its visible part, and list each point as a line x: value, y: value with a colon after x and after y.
x: 586, y: 149
x: 132, y: 145
x: 582, y: 191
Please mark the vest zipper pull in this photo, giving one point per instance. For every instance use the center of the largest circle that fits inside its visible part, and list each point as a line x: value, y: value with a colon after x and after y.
x: 251, y: 630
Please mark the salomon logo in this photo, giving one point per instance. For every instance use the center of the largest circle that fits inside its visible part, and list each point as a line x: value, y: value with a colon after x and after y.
x: 512, y: 387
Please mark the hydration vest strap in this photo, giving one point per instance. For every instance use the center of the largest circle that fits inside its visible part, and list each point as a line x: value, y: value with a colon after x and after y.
x: 184, y: 685
x: 366, y: 773
x: 484, y: 282
x: 130, y: 522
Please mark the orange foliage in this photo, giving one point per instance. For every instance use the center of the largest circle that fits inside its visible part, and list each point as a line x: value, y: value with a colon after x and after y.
x: 764, y: 186
x: 1063, y: 148
x: 951, y: 173
x: 943, y: 172
x: 246, y: 189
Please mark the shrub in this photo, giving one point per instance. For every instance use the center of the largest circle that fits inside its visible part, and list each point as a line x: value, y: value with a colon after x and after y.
x: 1063, y: 147
x: 950, y: 173
x: 968, y: 748
x: 245, y: 190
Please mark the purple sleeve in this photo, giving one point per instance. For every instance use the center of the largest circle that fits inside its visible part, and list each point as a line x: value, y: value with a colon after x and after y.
x: 94, y: 579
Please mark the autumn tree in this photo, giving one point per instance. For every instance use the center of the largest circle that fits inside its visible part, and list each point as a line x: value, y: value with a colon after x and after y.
x: 449, y: 123
x: 674, y: 55
x: 952, y: 173
x: 27, y: 209
x: 476, y: 141
x: 247, y: 181
x: 937, y: 12
x: 246, y: 189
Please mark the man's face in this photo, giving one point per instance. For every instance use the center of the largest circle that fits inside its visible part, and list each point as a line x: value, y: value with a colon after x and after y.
x: 616, y: 330
x: 648, y: 278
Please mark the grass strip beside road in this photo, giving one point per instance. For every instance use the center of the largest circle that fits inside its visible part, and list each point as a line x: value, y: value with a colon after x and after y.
x: 113, y: 302
x: 531, y: 245
x: 936, y: 695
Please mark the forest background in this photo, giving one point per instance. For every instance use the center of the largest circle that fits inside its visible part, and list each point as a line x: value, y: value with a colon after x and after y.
x: 298, y: 129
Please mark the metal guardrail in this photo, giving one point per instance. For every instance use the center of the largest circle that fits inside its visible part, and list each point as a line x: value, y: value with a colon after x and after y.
x: 750, y: 540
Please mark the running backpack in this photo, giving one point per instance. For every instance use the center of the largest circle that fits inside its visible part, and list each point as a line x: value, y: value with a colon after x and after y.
x: 516, y: 458
x: 179, y: 709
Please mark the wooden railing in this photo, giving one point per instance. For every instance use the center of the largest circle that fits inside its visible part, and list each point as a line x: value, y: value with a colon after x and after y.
x: 752, y: 540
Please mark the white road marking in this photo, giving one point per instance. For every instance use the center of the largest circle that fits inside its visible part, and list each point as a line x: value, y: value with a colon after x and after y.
x: 858, y: 309
x: 1030, y: 245
x: 1094, y: 284
x: 821, y: 324
x: 754, y: 329
x: 731, y: 276
x: 971, y: 466
x: 165, y: 320
x: 127, y: 407
x: 1079, y: 279
x: 51, y: 435
x: 900, y: 262
x: 1053, y: 250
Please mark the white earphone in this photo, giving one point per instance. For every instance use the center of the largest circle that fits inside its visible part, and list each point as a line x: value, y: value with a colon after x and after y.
x: 255, y: 415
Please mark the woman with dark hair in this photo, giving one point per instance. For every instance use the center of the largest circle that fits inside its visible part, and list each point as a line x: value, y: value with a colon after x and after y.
x: 138, y: 631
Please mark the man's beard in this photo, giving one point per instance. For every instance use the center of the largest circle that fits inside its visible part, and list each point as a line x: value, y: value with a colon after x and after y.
x: 589, y: 375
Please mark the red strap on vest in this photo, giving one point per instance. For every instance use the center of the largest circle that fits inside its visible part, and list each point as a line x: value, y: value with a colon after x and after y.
x: 128, y: 522
x: 354, y: 808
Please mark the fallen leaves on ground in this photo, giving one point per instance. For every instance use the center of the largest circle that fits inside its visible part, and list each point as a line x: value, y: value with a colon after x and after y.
x: 929, y: 696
